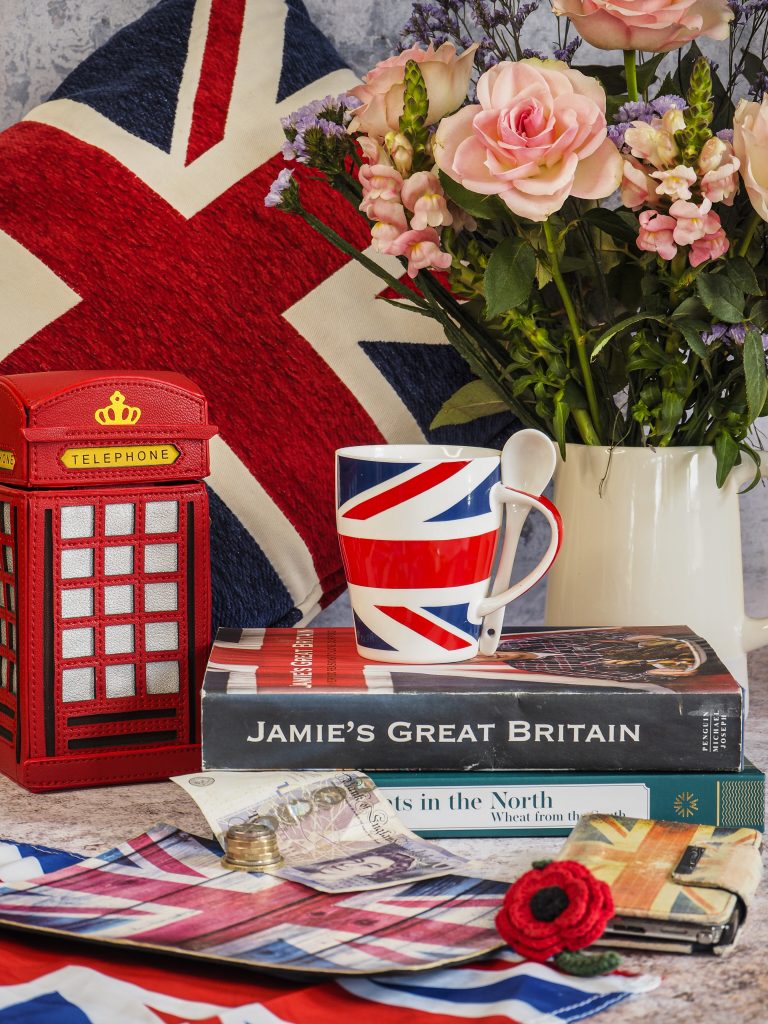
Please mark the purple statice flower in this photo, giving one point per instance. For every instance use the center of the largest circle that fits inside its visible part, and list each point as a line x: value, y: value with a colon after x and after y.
x: 616, y: 133
x: 275, y: 195
x: 670, y: 102
x: 325, y: 118
x: 726, y: 135
x: 524, y: 11
x: 733, y: 334
x: 759, y: 87
x: 566, y: 53
x: 533, y: 53
x: 639, y: 110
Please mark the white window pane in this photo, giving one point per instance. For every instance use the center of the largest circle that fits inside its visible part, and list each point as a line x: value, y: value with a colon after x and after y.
x: 118, y: 600
x: 118, y: 561
x: 11, y: 597
x: 161, y: 517
x: 77, y: 521
x: 120, y: 680
x: 163, y: 677
x: 76, y: 603
x: 2, y: 596
x: 161, y: 597
x: 76, y: 643
x: 6, y: 517
x: 12, y: 636
x: 78, y: 684
x: 12, y: 676
x: 118, y: 639
x: 76, y: 563
x: 8, y: 558
x: 4, y: 673
x: 161, y: 558
x: 118, y: 519
x: 3, y: 632
x: 161, y: 636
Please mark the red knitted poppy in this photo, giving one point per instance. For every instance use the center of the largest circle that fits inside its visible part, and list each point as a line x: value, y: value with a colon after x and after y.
x: 560, y: 906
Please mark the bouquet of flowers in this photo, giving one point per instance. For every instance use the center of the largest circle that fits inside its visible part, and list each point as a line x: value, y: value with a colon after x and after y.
x: 591, y: 238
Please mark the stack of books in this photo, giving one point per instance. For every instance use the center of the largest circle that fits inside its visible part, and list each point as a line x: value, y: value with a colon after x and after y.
x: 643, y: 722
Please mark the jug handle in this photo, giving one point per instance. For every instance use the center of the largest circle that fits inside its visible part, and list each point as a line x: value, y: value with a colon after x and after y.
x: 754, y: 631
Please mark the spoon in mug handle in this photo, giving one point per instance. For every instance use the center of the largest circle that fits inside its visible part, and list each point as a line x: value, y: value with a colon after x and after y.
x: 528, y: 462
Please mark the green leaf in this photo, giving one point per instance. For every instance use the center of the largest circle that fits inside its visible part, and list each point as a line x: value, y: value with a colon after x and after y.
x: 721, y: 297
x: 759, y: 314
x: 758, y: 467
x: 690, y: 307
x: 509, y: 276
x: 672, y: 408
x: 726, y: 454
x: 470, y: 402
x: 574, y: 396
x: 754, y: 373
x: 611, y: 78
x: 558, y: 425
x: 622, y: 325
x: 476, y: 205
x: 646, y: 73
x: 623, y: 228
x: 692, y: 331
x: 741, y: 273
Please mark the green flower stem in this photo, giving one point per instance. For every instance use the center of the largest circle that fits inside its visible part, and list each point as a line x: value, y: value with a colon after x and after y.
x: 630, y: 73
x: 584, y: 426
x: 578, y: 337
x: 755, y: 221
x: 354, y: 252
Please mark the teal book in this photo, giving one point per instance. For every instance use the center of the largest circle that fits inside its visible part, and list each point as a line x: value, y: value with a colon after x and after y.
x: 441, y: 805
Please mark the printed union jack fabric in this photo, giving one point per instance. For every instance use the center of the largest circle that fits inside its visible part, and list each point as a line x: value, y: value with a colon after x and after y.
x: 133, y: 234
x: 46, y: 981
x: 28, y: 860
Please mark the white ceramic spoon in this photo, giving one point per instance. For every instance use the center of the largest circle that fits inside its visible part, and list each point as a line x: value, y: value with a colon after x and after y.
x: 528, y: 462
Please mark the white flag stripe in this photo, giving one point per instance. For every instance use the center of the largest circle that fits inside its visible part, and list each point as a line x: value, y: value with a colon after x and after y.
x: 190, y: 81
x: 31, y: 295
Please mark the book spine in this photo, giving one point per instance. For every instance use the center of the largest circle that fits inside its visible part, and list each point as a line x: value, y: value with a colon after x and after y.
x: 607, y: 731
x: 548, y: 804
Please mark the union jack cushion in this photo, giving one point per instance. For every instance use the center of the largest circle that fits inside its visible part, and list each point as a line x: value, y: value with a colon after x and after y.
x: 133, y: 234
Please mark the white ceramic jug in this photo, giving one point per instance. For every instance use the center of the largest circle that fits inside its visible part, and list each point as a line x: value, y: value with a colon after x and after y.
x: 650, y: 540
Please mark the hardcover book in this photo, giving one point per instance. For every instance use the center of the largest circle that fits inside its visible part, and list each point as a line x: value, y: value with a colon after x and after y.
x: 618, y: 699
x: 438, y: 805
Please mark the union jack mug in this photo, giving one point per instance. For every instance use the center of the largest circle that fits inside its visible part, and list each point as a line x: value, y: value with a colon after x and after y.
x: 419, y: 527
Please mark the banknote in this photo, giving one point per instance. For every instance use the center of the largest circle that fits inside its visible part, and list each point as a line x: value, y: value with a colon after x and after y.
x: 335, y: 830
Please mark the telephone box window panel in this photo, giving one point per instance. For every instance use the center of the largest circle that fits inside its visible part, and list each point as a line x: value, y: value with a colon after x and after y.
x: 104, y: 546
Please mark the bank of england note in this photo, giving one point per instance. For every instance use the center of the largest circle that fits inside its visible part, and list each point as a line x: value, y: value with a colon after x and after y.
x: 335, y: 830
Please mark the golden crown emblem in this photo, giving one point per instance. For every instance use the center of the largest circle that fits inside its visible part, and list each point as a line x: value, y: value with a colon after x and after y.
x: 117, y: 413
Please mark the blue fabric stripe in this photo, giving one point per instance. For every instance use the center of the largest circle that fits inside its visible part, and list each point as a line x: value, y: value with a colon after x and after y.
x: 48, y: 858
x: 44, y: 1009
x: 246, y: 590
x: 307, y: 54
x: 134, y: 78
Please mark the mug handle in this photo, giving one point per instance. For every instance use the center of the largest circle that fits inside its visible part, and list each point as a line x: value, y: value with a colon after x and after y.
x: 491, y: 609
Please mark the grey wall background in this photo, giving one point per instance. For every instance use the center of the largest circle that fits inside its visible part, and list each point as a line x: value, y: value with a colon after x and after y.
x: 42, y: 40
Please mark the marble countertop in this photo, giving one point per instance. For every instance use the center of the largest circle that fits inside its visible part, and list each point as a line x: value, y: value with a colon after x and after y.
x: 734, y: 989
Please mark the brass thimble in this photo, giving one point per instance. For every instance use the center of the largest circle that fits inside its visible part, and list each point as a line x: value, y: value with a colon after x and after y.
x: 251, y: 847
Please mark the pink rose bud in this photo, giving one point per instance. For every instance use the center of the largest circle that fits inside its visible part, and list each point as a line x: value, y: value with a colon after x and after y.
x: 656, y: 234
x: 675, y: 183
x: 692, y: 220
x: 422, y: 249
x: 446, y: 76
x: 423, y: 194
x: 637, y: 188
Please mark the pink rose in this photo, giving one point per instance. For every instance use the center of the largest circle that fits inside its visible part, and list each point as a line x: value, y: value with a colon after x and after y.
x: 710, y: 247
x: 537, y: 136
x: 379, y: 181
x: 656, y: 234
x: 446, y: 75
x: 676, y: 183
x: 637, y: 188
x: 390, y: 223
x: 750, y: 141
x: 652, y: 143
x: 655, y: 26
x: 423, y: 195
x: 422, y: 249
x: 693, y: 222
